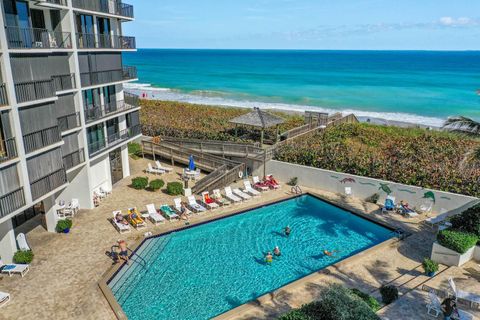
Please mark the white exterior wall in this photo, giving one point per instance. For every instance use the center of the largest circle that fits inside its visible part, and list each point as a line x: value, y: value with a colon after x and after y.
x: 8, y: 244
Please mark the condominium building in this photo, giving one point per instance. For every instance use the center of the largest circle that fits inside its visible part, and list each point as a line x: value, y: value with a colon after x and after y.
x: 65, y: 120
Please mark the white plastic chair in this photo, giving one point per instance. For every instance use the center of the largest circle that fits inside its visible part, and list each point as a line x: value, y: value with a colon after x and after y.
x: 348, y: 191
x: 4, y: 298
x: 22, y: 242
x: 75, y: 205
x: 434, y: 308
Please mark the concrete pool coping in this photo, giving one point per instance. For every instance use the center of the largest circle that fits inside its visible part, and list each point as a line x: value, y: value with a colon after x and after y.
x: 108, y: 276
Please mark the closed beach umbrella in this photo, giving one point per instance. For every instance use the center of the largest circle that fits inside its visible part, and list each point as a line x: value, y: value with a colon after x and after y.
x: 191, y: 164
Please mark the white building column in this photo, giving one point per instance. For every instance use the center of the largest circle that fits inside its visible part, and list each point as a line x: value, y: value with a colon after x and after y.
x: 8, y: 244
x: 51, y: 216
x: 125, y: 163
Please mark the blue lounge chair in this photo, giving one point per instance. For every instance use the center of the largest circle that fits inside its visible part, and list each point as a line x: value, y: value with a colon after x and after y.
x: 389, y: 204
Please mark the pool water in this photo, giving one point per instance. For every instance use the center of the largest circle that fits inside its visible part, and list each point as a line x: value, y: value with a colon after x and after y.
x: 201, y: 272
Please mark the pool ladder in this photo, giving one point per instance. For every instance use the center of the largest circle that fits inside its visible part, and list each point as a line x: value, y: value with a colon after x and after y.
x: 296, y: 189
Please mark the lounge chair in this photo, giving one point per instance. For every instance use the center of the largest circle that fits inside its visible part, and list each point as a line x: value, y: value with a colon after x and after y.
x: 4, y: 298
x: 433, y: 221
x: 168, y: 212
x: 407, y: 211
x: 426, y: 207
x: 389, y: 204
x: 249, y: 189
x: 160, y: 167
x: 271, y: 182
x: 434, y: 308
x: 192, y: 202
x: 209, y: 202
x: 177, y: 204
x: 241, y: 194
x: 135, y: 218
x: 217, y: 196
x: 348, y: 191
x: 262, y: 186
x: 153, y: 215
x: 122, y: 228
x: 22, y: 242
x: 230, y: 196
x: 152, y: 170
x: 467, y: 296
x: 14, y: 268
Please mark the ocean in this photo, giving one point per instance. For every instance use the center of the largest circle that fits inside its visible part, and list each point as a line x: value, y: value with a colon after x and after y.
x: 424, y: 87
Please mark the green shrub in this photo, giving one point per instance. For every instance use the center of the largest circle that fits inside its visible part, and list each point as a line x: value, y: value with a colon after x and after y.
x: 457, y: 240
x: 295, y: 315
x: 23, y: 257
x: 429, y: 266
x: 468, y: 221
x: 135, y: 148
x: 156, y: 184
x: 174, y: 188
x: 373, y: 198
x: 63, y: 225
x: 140, y: 183
x: 371, y: 301
x: 389, y: 294
x: 293, y: 181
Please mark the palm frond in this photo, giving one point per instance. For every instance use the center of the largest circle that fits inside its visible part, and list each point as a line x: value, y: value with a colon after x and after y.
x: 462, y: 125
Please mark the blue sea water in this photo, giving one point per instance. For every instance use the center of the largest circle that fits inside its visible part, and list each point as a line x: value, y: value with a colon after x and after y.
x: 414, y: 86
x: 207, y: 270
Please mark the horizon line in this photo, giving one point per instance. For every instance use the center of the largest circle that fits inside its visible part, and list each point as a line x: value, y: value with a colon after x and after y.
x: 290, y: 49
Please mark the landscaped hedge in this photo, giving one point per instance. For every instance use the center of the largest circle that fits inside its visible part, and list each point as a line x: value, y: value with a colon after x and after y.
x: 174, y: 188
x: 337, y: 303
x: 140, y: 183
x: 371, y: 301
x: 457, y: 240
x: 156, y: 184
x: 468, y: 221
x: 409, y: 156
x: 23, y: 257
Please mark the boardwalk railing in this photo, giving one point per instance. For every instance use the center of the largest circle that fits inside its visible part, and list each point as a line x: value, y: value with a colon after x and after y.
x: 34, y: 90
x: 11, y: 202
x: 69, y: 122
x: 48, y: 183
x: 351, y: 118
x: 73, y: 159
x: 36, y: 38
x: 42, y: 138
x: 8, y: 149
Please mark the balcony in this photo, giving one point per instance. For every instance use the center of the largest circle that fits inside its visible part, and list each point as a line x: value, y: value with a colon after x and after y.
x: 64, y: 82
x: 42, y: 138
x: 108, y: 76
x: 114, y: 7
x: 3, y: 95
x: 34, y: 90
x: 105, y: 41
x: 129, y: 73
x: 11, y: 202
x: 100, y: 112
x: 35, y: 38
x: 69, y: 122
x: 114, y: 139
x: 48, y: 183
x: 73, y: 159
x: 8, y: 149
x: 57, y: 2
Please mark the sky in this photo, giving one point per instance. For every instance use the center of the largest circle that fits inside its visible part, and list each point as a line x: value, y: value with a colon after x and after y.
x: 307, y: 24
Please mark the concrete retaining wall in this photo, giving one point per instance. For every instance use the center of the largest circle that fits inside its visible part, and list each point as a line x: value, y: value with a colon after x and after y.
x: 449, y: 257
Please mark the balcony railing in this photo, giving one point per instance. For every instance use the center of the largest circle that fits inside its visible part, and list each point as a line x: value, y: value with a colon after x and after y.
x: 98, y: 112
x: 129, y: 73
x: 73, y: 159
x: 34, y: 90
x: 8, y: 149
x: 106, y: 6
x: 57, y: 2
x: 48, y: 183
x: 132, y: 99
x: 104, y: 41
x: 64, y: 82
x: 36, y: 38
x: 69, y: 122
x: 40, y: 139
x: 114, y: 139
x: 3, y: 95
x: 11, y: 202
x: 101, y: 77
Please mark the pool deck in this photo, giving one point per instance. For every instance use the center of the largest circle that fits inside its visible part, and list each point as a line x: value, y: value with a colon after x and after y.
x: 63, y: 282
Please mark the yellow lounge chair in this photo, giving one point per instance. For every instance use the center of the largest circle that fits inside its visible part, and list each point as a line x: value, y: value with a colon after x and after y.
x: 135, y: 218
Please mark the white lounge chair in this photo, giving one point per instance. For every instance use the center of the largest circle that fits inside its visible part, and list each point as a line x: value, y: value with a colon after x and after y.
x: 434, y: 308
x: 22, y: 242
x: 217, y: 196
x: 160, y: 167
x: 241, y: 194
x: 259, y: 185
x: 13, y: 268
x: 177, y: 204
x: 348, y: 191
x: 432, y: 221
x: 152, y: 170
x: 4, y: 298
x: 426, y: 207
x: 467, y: 296
x: 230, y: 196
x: 122, y: 228
x: 209, y: 202
x: 153, y: 215
x: 249, y: 189
x: 192, y: 202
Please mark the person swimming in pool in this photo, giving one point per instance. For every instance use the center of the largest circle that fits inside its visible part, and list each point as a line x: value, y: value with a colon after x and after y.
x: 277, y: 252
x: 269, y: 258
x: 329, y: 253
x: 287, y: 231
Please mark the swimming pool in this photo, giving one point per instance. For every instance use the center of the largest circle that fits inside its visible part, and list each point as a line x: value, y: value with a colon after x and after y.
x: 206, y: 270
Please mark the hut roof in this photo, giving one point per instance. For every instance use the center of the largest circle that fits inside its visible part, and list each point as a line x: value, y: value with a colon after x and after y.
x: 258, y: 118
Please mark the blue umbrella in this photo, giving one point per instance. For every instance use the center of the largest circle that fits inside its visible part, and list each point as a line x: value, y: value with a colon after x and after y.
x: 191, y: 164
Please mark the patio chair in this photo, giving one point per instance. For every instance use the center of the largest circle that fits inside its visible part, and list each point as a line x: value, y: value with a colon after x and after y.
x: 249, y: 189
x: 135, y: 218
x: 348, y: 192
x: 434, y: 308
x: 389, y: 204
x: 197, y: 174
x: 14, y: 268
x: 259, y: 185
x: 22, y: 242
x: 177, y: 204
x: 406, y: 211
x: 159, y: 166
x: 464, y: 295
x: 153, y: 215
x: 4, y: 298
x: 426, y: 207
x: 168, y: 212
x: 152, y: 170
x: 217, y: 196
x: 241, y: 194
x: 75, y: 205
x: 230, y: 196
x: 68, y: 211
x: 433, y: 221
x: 209, y: 202
x: 105, y: 191
x: 122, y: 228
x: 271, y: 182
x: 192, y: 202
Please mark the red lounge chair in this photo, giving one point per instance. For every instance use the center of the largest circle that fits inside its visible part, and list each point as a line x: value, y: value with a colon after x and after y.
x: 271, y: 182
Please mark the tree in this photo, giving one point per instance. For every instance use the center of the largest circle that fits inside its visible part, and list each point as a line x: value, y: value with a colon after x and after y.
x: 468, y: 127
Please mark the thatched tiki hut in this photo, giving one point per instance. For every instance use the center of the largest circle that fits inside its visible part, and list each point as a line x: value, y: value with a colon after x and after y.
x: 259, y: 119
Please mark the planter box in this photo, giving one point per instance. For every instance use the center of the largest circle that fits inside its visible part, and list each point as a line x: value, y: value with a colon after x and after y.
x: 449, y: 257
x: 476, y: 254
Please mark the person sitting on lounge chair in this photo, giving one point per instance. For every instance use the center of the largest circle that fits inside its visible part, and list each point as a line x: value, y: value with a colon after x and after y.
x: 120, y: 219
x: 184, y: 212
x: 405, y: 207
